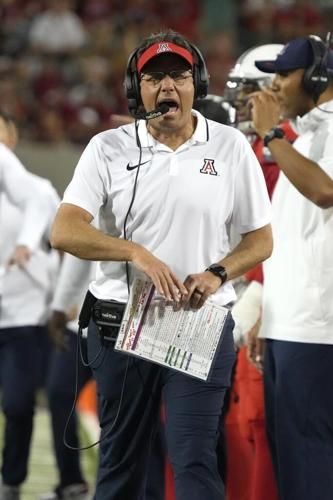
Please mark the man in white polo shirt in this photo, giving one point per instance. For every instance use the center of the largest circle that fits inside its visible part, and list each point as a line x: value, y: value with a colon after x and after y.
x: 165, y: 190
x: 297, y: 317
x: 27, y: 207
x: 19, y: 187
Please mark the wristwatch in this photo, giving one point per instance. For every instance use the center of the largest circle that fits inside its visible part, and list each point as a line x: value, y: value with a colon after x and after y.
x: 274, y: 133
x: 219, y: 271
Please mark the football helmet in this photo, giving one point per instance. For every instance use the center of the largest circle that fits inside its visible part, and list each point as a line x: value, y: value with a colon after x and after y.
x: 244, y: 78
x: 214, y: 107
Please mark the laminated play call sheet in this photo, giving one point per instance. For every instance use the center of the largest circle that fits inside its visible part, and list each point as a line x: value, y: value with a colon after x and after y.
x: 185, y: 340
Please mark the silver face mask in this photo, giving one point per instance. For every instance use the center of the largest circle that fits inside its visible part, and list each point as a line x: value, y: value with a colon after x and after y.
x: 237, y: 93
x: 245, y: 78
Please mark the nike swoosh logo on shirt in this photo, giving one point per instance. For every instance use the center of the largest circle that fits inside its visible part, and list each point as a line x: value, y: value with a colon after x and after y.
x: 132, y: 167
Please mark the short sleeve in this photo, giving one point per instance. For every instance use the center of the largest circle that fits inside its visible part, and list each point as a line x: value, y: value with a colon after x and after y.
x: 86, y: 189
x: 322, y: 148
x: 252, y: 208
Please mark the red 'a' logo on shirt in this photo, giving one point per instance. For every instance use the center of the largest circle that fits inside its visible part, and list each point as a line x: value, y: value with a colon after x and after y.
x: 208, y: 167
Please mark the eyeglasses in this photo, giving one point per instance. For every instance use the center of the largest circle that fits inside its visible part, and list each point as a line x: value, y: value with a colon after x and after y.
x: 154, y: 78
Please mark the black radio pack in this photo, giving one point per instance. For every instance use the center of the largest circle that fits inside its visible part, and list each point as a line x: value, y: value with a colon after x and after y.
x: 106, y: 314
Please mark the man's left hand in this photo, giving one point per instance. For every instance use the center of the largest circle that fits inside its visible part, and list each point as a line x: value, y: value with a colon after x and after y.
x: 200, y: 286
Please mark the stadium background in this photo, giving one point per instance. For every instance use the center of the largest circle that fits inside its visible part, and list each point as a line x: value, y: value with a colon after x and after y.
x: 63, y: 94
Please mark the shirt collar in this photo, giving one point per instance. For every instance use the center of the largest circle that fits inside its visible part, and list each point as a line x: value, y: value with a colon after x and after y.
x: 311, y: 120
x: 200, y: 135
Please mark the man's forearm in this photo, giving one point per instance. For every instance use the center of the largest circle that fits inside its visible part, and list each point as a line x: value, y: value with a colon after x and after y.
x: 72, y: 232
x: 255, y: 247
x: 306, y: 175
x: 78, y: 237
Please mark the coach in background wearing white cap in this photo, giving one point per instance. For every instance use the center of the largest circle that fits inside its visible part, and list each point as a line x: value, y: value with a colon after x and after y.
x: 297, y: 316
x: 165, y: 191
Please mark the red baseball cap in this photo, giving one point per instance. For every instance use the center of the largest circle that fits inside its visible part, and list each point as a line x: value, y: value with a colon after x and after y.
x: 160, y: 48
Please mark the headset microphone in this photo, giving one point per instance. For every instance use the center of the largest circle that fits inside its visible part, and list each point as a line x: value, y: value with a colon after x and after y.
x: 155, y: 113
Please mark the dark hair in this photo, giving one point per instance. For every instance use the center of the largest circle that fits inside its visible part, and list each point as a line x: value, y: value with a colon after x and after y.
x: 164, y: 36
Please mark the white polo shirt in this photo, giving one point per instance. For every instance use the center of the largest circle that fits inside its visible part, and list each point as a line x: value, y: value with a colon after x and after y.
x: 22, y: 191
x: 298, y: 290
x: 185, y: 199
x: 27, y: 291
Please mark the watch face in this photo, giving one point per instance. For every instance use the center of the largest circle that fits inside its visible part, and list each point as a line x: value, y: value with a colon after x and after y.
x: 219, y: 271
x: 275, y: 132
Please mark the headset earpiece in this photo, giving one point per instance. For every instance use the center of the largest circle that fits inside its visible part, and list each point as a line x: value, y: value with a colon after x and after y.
x: 132, y: 80
x: 200, y: 74
x: 132, y: 84
x: 316, y: 79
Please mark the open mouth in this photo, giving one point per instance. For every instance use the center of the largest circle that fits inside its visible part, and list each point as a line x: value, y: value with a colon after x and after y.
x: 173, y: 106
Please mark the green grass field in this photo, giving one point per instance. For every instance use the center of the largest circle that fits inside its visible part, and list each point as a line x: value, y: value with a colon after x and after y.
x: 42, y: 470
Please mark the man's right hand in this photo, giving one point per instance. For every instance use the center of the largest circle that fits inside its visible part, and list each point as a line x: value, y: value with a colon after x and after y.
x: 57, y: 330
x: 20, y: 256
x: 165, y: 281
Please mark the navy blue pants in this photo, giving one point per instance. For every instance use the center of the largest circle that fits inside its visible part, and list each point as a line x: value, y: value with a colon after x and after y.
x: 61, y: 391
x: 298, y: 381
x: 128, y: 421
x: 19, y: 362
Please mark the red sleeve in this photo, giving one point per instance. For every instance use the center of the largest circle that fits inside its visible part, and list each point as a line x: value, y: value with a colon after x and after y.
x: 255, y: 274
x: 270, y: 169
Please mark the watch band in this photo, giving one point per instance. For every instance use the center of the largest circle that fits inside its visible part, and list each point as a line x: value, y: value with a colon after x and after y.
x: 219, y: 271
x: 274, y: 133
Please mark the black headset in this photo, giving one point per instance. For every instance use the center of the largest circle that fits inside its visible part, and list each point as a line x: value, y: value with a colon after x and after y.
x: 132, y: 80
x: 316, y: 77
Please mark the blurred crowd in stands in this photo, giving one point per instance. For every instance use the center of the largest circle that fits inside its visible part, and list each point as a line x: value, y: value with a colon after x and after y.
x: 62, y: 61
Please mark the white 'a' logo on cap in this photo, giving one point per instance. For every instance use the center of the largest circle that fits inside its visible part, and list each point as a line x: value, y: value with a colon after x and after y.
x: 163, y: 47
